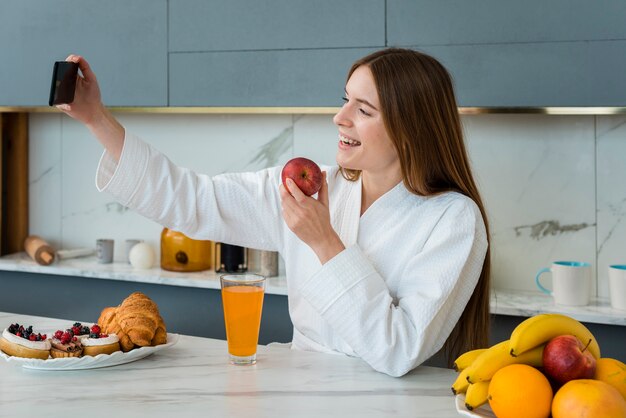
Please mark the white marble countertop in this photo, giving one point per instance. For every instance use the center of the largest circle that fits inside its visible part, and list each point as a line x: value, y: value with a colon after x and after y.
x: 526, y: 304
x: 193, y: 378
x: 89, y: 267
x: 503, y: 301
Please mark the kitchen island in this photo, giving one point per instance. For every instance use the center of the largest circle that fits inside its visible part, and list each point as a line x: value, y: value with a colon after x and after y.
x: 193, y: 378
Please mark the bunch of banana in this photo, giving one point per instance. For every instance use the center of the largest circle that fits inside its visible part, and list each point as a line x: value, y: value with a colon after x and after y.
x: 540, y: 329
x: 525, y: 346
x: 496, y: 357
x: 486, y: 363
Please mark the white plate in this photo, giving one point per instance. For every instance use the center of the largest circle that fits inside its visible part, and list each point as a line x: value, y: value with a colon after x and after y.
x: 482, y: 412
x: 89, y: 362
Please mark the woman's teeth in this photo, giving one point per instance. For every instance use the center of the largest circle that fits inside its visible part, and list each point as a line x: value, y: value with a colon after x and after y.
x: 349, y: 141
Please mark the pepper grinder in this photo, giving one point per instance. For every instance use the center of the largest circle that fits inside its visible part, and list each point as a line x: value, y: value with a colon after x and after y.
x: 230, y: 258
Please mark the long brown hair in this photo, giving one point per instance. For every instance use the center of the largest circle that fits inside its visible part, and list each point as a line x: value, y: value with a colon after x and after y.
x: 421, y: 117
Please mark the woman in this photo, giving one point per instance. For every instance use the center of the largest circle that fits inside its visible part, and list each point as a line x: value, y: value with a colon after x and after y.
x: 389, y: 262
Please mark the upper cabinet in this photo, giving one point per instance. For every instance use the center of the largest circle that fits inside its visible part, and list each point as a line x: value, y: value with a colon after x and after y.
x: 268, y: 53
x: 520, y: 53
x: 124, y: 41
x: 297, y: 52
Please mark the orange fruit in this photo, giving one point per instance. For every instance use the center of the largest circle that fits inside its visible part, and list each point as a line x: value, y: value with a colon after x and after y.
x: 588, y: 398
x: 613, y: 372
x: 520, y: 390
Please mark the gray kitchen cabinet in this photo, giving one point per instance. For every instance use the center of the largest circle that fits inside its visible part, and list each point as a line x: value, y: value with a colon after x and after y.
x: 529, y: 54
x: 540, y: 74
x: 261, y: 78
x: 124, y: 41
x: 185, y: 310
x: 461, y: 22
x: 244, y: 25
x: 268, y: 53
x: 297, y: 52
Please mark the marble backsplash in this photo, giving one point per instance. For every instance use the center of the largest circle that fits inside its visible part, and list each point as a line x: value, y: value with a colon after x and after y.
x: 553, y: 186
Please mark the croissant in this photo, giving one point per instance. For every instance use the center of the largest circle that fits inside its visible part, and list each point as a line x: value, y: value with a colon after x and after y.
x: 139, y: 318
x: 108, y: 323
x: 160, y: 335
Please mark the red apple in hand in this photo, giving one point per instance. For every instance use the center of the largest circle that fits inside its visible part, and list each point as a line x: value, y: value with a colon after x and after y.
x: 305, y: 173
x: 566, y: 358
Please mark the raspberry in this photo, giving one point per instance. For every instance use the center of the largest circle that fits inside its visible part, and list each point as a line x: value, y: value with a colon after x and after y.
x: 32, y: 337
x: 58, y: 334
x: 95, y: 329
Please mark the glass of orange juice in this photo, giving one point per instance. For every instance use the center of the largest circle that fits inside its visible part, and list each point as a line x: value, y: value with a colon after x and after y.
x: 242, y: 297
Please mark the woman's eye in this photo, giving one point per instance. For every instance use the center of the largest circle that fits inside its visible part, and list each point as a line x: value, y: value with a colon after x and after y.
x: 363, y: 112
x: 344, y: 99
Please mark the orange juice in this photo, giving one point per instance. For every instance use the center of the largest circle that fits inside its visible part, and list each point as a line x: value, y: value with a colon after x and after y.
x: 242, y: 315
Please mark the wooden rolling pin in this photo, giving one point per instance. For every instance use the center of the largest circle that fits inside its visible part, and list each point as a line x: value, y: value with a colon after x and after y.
x: 39, y: 250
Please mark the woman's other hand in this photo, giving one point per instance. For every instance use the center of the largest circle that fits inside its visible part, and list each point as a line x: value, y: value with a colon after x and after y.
x: 87, y: 102
x: 309, y: 219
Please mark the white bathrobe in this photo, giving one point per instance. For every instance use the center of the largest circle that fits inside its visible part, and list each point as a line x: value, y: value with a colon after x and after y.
x: 390, y: 298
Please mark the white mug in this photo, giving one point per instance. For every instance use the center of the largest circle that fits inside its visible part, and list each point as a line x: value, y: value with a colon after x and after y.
x: 571, y: 282
x: 617, y: 286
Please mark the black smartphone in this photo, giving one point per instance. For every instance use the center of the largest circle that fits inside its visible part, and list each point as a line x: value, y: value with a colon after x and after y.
x: 63, y: 85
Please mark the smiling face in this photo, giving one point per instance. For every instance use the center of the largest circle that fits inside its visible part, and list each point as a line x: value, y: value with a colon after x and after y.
x: 364, y: 143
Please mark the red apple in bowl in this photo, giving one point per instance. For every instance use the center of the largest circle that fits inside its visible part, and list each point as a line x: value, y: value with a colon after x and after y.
x: 566, y: 358
x: 305, y: 173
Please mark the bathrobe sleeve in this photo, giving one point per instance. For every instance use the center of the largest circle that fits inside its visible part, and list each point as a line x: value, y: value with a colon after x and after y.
x: 395, y: 336
x: 240, y: 209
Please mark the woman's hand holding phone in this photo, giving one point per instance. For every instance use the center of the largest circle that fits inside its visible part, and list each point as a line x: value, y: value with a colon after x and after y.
x: 87, y: 103
x: 88, y: 109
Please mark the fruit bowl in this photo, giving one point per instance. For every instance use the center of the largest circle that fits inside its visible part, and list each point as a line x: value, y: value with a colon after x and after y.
x: 482, y: 412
